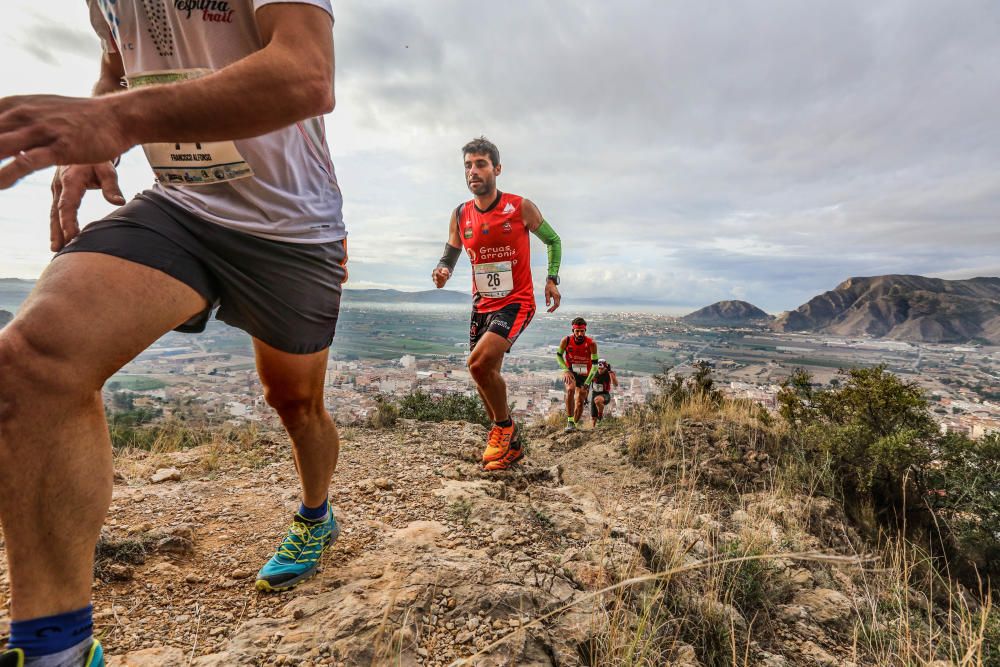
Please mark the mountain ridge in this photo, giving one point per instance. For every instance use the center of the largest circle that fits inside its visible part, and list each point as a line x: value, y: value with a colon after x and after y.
x: 903, y: 307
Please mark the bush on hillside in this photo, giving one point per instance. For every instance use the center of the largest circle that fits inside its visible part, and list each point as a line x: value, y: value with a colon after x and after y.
x: 423, y: 406
x: 674, y: 390
x: 875, y: 434
x: 386, y: 413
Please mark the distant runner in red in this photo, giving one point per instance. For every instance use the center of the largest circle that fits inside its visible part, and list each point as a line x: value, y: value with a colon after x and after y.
x: 577, y: 357
x: 604, y: 379
x: 493, y: 229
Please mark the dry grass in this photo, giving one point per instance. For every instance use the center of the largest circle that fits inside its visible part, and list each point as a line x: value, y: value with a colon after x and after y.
x: 216, y: 448
x: 658, y: 435
x: 717, y: 586
x: 912, y: 615
x: 555, y: 420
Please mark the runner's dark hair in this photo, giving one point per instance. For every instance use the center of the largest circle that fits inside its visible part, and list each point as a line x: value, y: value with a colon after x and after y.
x: 482, y: 146
x: 579, y: 321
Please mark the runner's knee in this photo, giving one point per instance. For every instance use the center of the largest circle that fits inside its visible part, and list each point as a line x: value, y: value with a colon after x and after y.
x: 480, y: 368
x: 30, y: 367
x: 294, y: 407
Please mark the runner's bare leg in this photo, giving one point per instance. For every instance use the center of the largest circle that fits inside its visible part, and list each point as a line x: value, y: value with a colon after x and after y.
x: 88, y: 315
x: 485, y: 363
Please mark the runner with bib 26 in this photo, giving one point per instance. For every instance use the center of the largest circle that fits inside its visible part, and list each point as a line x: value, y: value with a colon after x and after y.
x: 493, y: 229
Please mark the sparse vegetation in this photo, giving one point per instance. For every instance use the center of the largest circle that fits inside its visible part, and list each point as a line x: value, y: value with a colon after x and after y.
x: 110, y: 552
x: 868, y: 442
x: 423, y: 406
x: 385, y: 415
x: 892, y: 468
x: 460, y: 510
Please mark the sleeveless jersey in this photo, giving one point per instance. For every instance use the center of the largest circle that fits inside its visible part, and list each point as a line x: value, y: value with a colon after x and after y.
x: 602, y: 382
x: 578, y: 355
x: 499, y: 246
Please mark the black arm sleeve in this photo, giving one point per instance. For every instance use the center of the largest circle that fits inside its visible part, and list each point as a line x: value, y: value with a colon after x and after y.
x: 450, y: 257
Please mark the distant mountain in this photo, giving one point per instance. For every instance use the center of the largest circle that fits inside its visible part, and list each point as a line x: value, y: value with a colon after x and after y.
x: 5, y: 317
x: 904, y: 307
x: 728, y: 313
x: 441, y: 296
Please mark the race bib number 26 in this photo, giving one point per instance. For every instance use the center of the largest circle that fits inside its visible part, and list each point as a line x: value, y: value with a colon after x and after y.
x: 494, y: 280
x: 195, y: 163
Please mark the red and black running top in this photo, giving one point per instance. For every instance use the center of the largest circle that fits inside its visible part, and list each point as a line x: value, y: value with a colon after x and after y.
x: 497, y: 242
x: 579, y: 356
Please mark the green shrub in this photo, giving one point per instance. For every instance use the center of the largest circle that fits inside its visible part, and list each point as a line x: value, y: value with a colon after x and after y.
x: 885, y: 455
x: 386, y: 413
x: 423, y: 406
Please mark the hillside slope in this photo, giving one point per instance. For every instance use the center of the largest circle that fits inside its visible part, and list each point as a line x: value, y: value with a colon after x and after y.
x: 438, y: 561
x: 904, y: 307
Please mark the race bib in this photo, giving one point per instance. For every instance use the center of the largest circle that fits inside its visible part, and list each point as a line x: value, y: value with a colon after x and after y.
x: 494, y: 280
x: 598, y: 387
x: 580, y: 369
x: 195, y: 163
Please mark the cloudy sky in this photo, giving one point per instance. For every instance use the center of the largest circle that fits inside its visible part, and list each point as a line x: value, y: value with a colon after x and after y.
x: 686, y: 150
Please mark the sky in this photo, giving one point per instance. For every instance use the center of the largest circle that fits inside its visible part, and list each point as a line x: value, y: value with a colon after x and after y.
x: 686, y: 151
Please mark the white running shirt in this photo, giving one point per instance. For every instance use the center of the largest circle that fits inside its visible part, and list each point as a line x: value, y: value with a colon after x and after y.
x: 292, y: 194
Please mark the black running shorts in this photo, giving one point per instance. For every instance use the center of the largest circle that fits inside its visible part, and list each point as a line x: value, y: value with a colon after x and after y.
x: 284, y: 294
x: 593, y: 401
x: 508, y: 322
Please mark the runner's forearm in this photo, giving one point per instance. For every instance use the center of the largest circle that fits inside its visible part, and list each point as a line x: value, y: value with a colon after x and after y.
x: 283, y: 83
x: 593, y: 369
x: 561, y: 358
x: 553, y: 245
x: 450, y: 257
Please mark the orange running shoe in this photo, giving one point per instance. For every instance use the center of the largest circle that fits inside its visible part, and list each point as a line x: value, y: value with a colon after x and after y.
x: 514, y: 454
x: 499, y: 442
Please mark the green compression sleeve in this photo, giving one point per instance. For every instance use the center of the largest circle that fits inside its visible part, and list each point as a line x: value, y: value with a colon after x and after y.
x: 593, y: 370
x: 561, y: 358
x: 553, y: 245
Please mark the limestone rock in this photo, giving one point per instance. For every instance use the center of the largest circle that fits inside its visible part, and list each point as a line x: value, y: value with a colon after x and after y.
x: 166, y: 475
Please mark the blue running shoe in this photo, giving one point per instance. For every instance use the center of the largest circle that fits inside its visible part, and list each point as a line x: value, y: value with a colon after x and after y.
x: 15, y: 657
x: 298, y: 557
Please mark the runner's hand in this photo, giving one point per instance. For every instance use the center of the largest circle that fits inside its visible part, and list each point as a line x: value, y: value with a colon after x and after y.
x: 40, y: 131
x: 552, y: 295
x: 68, y: 187
x: 440, y: 276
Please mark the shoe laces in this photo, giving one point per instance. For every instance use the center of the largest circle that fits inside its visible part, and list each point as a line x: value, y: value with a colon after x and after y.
x: 494, y: 440
x: 300, y: 536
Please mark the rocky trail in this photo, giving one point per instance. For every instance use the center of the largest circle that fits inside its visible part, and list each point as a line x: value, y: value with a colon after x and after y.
x: 438, y: 561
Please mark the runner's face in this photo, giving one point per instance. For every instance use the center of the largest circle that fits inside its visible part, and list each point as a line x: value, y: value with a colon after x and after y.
x: 579, y: 333
x: 480, y: 174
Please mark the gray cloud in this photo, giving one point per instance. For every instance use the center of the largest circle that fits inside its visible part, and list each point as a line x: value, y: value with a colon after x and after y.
x: 700, y: 149
x: 47, y: 41
x: 688, y: 151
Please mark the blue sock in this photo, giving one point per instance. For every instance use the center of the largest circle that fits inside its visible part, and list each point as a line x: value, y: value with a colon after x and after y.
x: 313, y: 513
x: 52, y: 634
